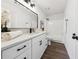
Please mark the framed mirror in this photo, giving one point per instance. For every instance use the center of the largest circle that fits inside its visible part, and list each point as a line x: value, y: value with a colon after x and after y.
x: 31, y: 16
x: 20, y: 15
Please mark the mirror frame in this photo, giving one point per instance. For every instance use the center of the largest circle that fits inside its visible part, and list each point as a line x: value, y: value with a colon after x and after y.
x: 28, y: 9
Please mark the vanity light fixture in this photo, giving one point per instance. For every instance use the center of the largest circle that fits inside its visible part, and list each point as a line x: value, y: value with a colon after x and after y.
x: 32, y: 5
x: 27, y: 1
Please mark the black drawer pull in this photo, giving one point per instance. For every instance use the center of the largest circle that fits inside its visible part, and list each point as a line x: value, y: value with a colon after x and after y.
x: 41, y: 42
x: 24, y: 57
x: 21, y: 48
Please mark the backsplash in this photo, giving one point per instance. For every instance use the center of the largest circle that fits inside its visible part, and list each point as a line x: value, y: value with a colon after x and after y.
x: 25, y: 30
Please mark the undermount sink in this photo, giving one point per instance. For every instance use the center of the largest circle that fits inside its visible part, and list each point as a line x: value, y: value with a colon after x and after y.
x: 6, y: 36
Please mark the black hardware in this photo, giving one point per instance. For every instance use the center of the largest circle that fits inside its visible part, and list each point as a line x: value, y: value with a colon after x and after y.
x: 21, y: 48
x: 74, y: 36
x: 24, y: 57
x: 41, y: 42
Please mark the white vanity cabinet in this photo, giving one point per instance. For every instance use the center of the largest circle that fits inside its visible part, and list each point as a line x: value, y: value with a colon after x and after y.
x: 39, y: 45
x: 33, y: 48
x: 13, y: 52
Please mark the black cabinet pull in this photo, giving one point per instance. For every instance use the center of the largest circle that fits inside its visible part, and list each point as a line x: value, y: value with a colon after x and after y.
x: 41, y: 42
x: 21, y: 48
x: 24, y: 57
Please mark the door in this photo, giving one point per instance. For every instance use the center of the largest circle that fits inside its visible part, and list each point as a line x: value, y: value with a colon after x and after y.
x: 72, y: 43
x: 36, y: 50
x: 72, y: 27
x: 44, y: 44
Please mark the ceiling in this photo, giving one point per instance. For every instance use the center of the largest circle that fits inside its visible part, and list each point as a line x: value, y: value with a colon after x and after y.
x: 51, y: 7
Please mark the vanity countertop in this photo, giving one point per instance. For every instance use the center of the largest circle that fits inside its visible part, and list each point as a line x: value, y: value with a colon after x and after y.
x: 22, y: 38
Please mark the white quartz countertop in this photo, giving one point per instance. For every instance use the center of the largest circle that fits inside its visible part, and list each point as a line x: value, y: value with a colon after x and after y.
x: 22, y: 38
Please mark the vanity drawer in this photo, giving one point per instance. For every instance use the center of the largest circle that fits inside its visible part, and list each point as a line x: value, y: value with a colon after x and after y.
x: 16, y: 50
x: 38, y: 38
x: 25, y: 55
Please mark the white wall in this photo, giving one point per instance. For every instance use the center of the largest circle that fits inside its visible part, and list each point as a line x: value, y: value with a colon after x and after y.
x: 18, y: 13
x: 56, y: 27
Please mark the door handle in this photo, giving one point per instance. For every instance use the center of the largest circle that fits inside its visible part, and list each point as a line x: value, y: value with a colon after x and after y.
x: 75, y: 36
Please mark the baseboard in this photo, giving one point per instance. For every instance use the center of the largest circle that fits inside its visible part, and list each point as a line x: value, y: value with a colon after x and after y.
x: 58, y: 41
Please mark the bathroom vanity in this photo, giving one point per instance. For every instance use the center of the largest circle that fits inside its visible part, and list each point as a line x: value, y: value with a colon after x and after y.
x: 26, y: 46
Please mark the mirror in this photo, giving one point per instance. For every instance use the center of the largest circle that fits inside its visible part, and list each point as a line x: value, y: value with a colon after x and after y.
x: 21, y: 16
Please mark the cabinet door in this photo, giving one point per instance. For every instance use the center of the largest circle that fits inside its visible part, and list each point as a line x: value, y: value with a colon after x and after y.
x: 36, y: 50
x: 25, y: 55
x: 39, y: 45
x: 12, y: 52
x: 44, y: 44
